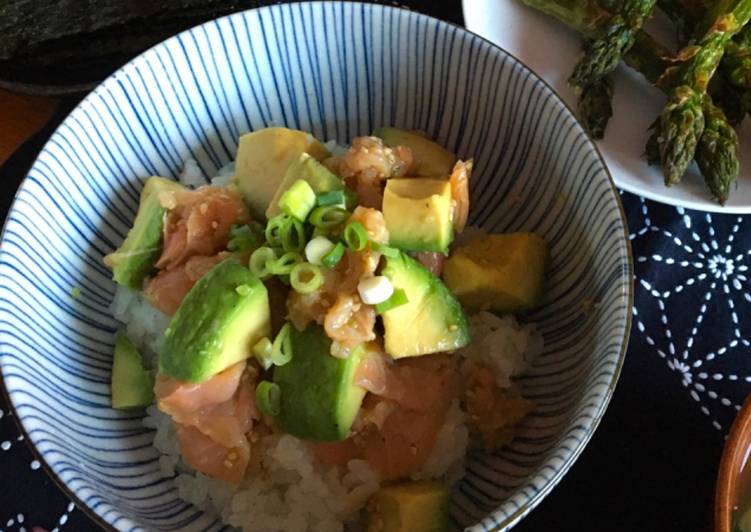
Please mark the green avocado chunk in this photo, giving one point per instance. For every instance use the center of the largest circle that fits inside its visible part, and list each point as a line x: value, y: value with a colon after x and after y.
x: 418, y: 214
x: 432, y: 320
x: 134, y: 260
x: 320, y: 179
x: 218, y: 323
x: 263, y: 157
x: 132, y: 384
x: 431, y: 159
x: 319, y: 400
x: 410, y: 507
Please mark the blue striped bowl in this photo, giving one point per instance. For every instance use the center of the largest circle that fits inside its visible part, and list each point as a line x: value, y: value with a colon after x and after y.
x: 338, y: 70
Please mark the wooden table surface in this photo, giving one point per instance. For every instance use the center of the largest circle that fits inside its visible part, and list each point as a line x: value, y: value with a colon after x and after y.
x: 20, y: 117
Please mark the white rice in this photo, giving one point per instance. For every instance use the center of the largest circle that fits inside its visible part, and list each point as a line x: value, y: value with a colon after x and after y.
x: 192, y: 176
x: 502, y: 344
x: 293, y: 492
x: 145, y: 325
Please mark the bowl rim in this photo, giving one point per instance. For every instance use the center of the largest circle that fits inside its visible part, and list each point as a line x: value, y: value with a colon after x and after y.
x: 736, y: 447
x: 514, y: 517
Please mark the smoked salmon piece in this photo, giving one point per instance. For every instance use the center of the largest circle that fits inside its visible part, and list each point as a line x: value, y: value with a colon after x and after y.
x: 198, y: 223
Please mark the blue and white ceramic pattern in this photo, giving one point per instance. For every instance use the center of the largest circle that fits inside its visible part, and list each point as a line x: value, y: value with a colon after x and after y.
x: 339, y: 70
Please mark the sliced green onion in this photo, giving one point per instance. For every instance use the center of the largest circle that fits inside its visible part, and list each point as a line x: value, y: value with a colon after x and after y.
x: 293, y: 236
x: 397, y: 299
x: 275, y: 228
x: 328, y: 217
x: 298, y: 200
x: 285, y: 263
x: 281, y: 349
x: 355, y: 236
x: 306, y: 278
x: 333, y: 257
x: 268, y: 398
x: 385, y: 250
x: 262, y: 351
x: 334, y: 197
x: 261, y: 261
x: 317, y: 231
x: 245, y: 237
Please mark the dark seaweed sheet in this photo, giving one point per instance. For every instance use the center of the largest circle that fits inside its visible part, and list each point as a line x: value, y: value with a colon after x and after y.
x: 69, y: 43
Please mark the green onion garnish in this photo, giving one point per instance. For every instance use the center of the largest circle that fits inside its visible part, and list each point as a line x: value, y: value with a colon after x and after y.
x: 268, y: 398
x: 281, y: 349
x: 276, y: 227
x: 355, y: 236
x: 298, y: 200
x: 351, y: 199
x: 334, y: 197
x: 261, y: 260
x: 284, y: 264
x: 245, y: 237
x: 262, y: 351
x: 328, y: 217
x: 397, y: 299
x: 385, y: 250
x: 306, y: 277
x: 293, y: 236
x: 333, y: 257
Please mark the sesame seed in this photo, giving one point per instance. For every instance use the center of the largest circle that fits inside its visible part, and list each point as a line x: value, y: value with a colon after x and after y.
x: 227, y: 464
x: 232, y: 456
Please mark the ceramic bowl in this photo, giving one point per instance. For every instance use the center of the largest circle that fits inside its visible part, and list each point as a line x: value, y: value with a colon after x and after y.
x: 734, y: 460
x: 338, y: 70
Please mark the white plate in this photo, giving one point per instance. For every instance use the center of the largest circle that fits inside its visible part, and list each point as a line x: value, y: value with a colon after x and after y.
x: 550, y: 49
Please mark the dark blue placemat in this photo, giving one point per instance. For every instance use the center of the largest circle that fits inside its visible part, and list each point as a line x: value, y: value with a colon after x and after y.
x: 651, y: 465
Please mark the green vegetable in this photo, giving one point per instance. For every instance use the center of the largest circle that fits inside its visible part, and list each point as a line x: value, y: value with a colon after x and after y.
x: 268, y: 398
x: 263, y: 158
x: 355, y: 236
x: 305, y: 168
x: 603, y: 54
x: 432, y: 320
x: 386, y: 251
x: 328, y: 217
x: 682, y: 120
x: 261, y: 260
x: 293, y: 236
x: 319, y: 400
x: 333, y: 257
x: 281, y: 349
x: 244, y: 237
x: 132, y: 384
x: 134, y: 260
x: 284, y: 264
x: 595, y: 106
x: 336, y: 198
x: 306, y: 278
x: 75, y: 292
x: 275, y: 227
x: 716, y: 153
x: 298, y: 200
x: 263, y: 350
x: 397, y: 299
x: 654, y: 62
x: 216, y: 326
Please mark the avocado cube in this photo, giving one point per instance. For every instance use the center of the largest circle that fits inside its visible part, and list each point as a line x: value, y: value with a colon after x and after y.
x: 132, y: 384
x: 432, y: 320
x: 504, y: 273
x: 305, y: 167
x: 263, y: 157
x: 134, y: 260
x: 218, y: 323
x: 430, y: 159
x: 410, y: 507
x: 318, y: 397
x: 418, y: 214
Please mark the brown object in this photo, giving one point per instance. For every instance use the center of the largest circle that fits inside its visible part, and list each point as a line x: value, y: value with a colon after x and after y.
x: 20, y: 117
x: 736, y: 447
